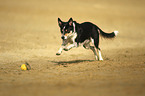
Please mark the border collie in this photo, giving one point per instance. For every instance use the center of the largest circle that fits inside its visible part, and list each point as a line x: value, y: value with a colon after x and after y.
x: 75, y: 34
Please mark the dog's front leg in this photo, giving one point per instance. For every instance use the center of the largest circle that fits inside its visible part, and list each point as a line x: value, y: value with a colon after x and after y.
x: 70, y: 46
x: 60, y: 50
x: 64, y: 44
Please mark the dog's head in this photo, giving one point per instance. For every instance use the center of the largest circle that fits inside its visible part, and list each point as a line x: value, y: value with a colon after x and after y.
x: 66, y: 28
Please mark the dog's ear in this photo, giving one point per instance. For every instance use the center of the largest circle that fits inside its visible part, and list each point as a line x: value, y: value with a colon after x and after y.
x: 70, y: 21
x: 59, y: 22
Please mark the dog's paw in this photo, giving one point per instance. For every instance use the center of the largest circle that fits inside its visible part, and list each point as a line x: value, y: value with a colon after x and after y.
x: 65, y: 49
x: 58, y: 54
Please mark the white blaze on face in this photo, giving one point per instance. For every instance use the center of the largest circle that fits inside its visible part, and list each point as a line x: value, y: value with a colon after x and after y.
x: 63, y: 34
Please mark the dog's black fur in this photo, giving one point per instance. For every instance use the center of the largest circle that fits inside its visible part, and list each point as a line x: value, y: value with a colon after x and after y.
x: 85, y: 31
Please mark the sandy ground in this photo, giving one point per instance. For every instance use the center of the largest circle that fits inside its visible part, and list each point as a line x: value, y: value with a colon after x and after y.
x: 29, y: 32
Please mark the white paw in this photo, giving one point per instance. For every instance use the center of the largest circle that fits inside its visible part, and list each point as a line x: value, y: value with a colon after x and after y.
x: 101, y: 59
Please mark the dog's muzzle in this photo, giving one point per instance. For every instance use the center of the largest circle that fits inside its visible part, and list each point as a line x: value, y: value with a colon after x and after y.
x: 63, y: 37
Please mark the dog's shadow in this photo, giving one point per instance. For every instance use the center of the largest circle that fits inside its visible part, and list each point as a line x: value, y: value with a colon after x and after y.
x: 70, y: 62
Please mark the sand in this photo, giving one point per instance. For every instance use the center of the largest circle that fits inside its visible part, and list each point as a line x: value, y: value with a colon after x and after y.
x: 30, y: 33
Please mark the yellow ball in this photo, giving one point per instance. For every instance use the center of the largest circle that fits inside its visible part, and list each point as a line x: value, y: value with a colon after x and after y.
x: 23, y: 67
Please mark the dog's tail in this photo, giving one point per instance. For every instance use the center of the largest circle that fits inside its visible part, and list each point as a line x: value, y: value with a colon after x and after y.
x: 108, y: 35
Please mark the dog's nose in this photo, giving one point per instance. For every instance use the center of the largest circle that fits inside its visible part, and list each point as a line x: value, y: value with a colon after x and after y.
x: 62, y: 37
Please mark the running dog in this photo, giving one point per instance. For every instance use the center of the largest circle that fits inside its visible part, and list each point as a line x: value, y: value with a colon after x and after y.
x: 75, y: 34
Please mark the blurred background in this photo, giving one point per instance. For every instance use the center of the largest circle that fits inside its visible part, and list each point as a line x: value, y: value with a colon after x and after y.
x: 20, y: 17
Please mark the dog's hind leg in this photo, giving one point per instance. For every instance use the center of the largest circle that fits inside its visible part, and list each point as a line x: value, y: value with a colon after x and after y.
x: 87, y: 46
x: 94, y: 51
x: 96, y: 43
x: 100, y: 56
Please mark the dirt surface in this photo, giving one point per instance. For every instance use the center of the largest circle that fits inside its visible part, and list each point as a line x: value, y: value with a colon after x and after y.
x: 29, y: 32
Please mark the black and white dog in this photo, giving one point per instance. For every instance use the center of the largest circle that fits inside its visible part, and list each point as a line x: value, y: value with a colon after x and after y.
x: 75, y: 34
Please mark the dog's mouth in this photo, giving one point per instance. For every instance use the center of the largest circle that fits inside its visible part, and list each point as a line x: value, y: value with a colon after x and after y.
x: 67, y: 35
